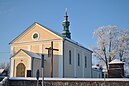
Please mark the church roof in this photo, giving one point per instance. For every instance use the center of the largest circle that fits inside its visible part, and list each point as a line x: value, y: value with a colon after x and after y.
x: 116, y: 61
x: 31, y: 54
x: 65, y: 38
x: 50, y: 30
x: 76, y: 43
x: 56, y: 33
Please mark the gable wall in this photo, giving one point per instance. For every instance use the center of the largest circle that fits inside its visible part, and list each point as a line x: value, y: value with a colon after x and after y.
x: 20, y: 59
x: 44, y: 34
x: 26, y: 42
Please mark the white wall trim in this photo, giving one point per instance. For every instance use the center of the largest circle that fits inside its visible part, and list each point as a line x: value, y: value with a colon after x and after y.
x: 83, y: 64
x: 30, y: 64
x: 11, y: 51
x: 11, y: 67
x: 61, y: 61
x: 75, y: 62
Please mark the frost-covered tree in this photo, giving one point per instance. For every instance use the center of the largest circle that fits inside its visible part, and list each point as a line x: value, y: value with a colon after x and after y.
x: 111, y: 43
x: 123, y: 44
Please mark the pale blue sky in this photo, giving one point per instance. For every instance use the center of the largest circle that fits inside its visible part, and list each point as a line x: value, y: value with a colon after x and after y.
x: 85, y: 16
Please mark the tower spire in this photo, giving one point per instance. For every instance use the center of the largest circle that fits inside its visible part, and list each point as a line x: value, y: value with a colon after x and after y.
x: 66, y: 24
x: 66, y: 14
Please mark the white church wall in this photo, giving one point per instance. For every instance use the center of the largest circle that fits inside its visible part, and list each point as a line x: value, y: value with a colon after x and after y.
x: 36, y: 65
x: 61, y: 44
x: 79, y: 62
x: 75, y: 50
x: 74, y: 70
x: 46, y: 66
x: 83, y: 65
x: 88, y: 68
x: 57, y: 58
x: 68, y: 68
x: 55, y: 65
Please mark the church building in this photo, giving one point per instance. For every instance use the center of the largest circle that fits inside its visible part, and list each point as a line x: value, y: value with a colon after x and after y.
x: 63, y: 57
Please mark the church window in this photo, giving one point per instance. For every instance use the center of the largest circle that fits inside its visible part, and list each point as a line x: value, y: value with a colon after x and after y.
x: 70, y: 57
x: 78, y: 59
x: 85, y: 62
x: 35, y: 36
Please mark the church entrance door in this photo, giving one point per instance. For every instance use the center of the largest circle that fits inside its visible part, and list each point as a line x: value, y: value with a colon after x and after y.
x: 20, y: 70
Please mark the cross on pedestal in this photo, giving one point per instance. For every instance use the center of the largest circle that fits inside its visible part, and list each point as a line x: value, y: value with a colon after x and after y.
x: 50, y: 54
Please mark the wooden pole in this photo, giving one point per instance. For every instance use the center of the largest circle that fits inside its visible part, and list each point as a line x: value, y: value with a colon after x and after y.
x: 52, y: 59
x: 42, y: 77
x: 42, y: 69
x: 37, y: 82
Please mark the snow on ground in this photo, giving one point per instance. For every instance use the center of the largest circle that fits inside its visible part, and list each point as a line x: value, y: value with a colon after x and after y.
x: 71, y: 79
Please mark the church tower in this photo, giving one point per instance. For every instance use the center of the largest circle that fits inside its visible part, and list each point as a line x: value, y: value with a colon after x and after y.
x: 66, y: 24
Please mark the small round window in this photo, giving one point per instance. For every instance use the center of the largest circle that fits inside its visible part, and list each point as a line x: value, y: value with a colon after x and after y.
x: 35, y: 36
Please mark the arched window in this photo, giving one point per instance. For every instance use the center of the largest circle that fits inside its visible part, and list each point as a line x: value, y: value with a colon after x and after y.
x: 78, y: 59
x: 70, y: 58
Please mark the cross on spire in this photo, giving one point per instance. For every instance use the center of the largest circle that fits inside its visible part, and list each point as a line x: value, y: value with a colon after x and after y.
x: 66, y: 17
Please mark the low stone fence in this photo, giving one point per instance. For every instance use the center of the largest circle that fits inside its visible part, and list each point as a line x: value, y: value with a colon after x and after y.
x: 69, y: 82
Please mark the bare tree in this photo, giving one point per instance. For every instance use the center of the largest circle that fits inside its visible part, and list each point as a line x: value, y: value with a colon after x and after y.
x: 5, y: 66
x: 111, y: 43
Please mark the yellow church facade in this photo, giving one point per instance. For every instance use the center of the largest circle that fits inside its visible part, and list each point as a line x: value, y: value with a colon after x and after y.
x: 71, y: 59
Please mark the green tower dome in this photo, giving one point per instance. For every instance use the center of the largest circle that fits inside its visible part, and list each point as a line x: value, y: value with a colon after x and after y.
x: 66, y: 23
